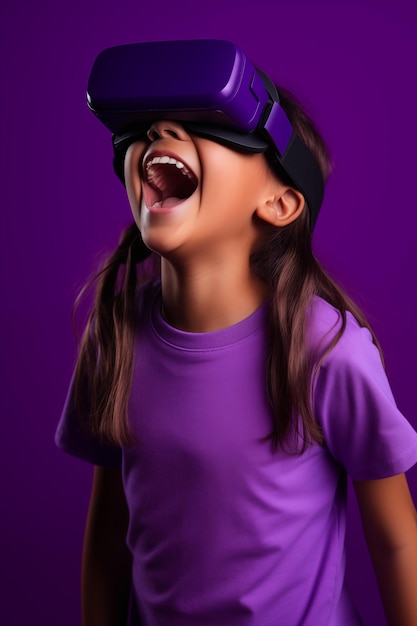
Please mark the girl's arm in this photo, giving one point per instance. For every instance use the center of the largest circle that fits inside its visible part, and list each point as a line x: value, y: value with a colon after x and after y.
x: 106, y: 568
x: 390, y: 524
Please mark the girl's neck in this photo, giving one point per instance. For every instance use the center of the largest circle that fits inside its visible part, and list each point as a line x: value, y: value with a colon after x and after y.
x: 205, y: 299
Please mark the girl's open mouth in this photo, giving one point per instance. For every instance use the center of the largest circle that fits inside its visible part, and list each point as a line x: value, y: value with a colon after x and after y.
x: 167, y: 181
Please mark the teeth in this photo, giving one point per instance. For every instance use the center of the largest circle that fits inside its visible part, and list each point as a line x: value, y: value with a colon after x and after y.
x: 170, y: 161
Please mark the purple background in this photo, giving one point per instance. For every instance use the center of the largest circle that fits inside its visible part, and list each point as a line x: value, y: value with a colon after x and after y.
x: 354, y: 65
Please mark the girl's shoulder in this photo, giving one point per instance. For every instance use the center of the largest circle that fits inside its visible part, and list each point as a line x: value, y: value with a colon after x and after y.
x: 363, y: 428
x: 324, y: 321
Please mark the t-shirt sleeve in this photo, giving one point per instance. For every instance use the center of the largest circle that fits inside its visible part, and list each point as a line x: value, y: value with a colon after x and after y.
x: 72, y: 437
x: 363, y: 428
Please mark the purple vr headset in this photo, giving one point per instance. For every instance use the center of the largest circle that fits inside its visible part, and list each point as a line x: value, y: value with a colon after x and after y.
x: 214, y: 90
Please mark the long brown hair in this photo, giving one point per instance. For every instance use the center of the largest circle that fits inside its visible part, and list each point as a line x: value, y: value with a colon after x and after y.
x: 285, y: 261
x: 288, y: 265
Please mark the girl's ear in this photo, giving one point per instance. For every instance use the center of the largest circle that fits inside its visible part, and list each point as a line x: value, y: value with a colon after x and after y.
x: 282, y: 208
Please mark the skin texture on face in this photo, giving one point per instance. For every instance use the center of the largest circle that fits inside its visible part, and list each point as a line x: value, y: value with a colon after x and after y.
x: 206, y: 240
x: 232, y: 187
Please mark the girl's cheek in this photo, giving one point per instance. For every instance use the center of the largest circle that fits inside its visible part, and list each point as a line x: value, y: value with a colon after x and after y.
x: 132, y: 175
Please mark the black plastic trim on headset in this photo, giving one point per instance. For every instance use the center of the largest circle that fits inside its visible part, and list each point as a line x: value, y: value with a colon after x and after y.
x: 297, y: 161
x: 249, y: 142
x: 302, y: 167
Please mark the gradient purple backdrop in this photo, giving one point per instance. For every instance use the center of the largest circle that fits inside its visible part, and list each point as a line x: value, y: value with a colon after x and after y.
x: 353, y: 64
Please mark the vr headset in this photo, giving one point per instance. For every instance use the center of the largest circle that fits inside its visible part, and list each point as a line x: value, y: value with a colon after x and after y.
x: 214, y: 90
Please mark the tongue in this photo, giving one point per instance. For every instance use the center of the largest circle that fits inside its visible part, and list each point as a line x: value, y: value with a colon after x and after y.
x: 167, y: 203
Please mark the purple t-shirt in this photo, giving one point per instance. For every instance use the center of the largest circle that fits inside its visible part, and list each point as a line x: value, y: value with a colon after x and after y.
x: 223, y: 530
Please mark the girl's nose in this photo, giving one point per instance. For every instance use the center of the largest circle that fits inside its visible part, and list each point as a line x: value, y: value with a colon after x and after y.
x: 164, y: 129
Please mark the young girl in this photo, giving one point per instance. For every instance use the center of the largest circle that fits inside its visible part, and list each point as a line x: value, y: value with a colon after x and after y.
x: 225, y: 389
